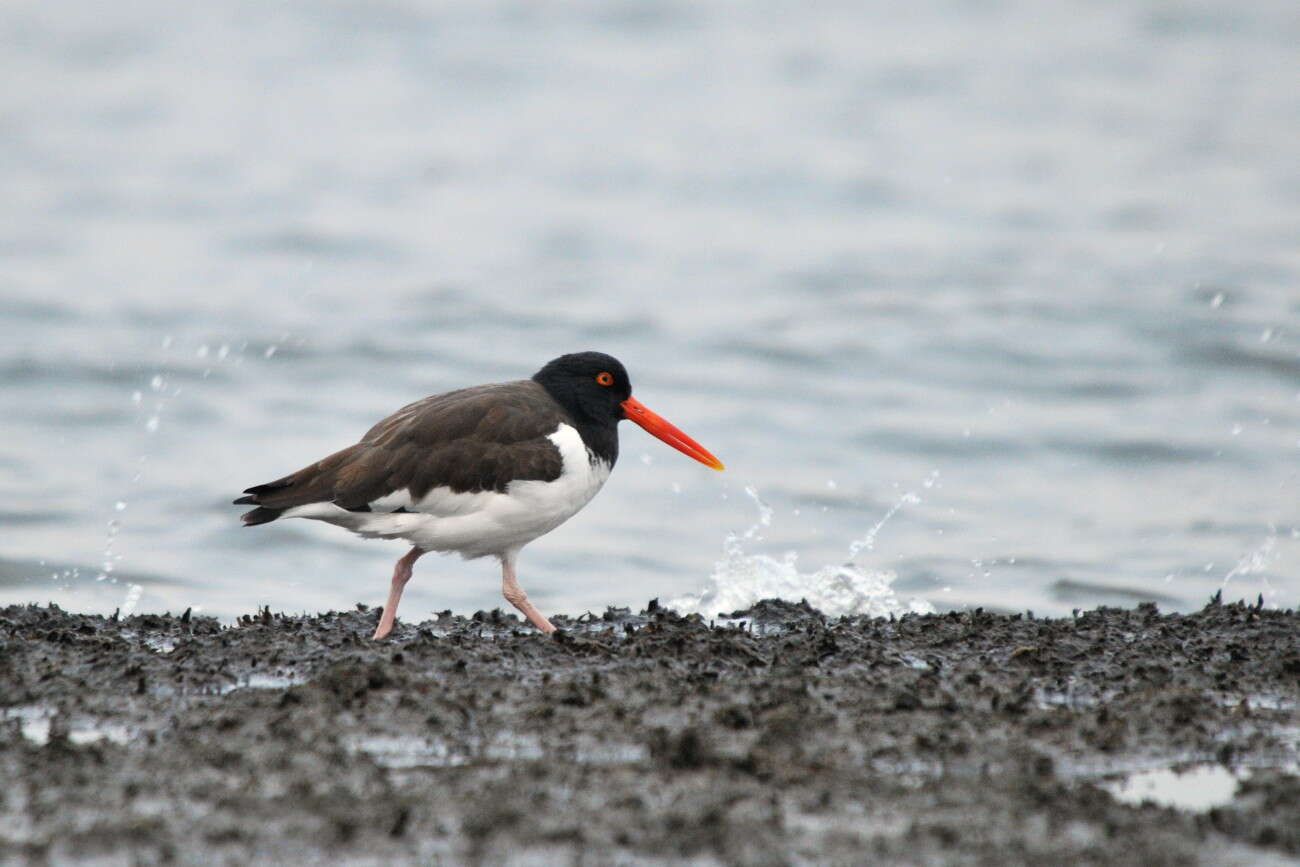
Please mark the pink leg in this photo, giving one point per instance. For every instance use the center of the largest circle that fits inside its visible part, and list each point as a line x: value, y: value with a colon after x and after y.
x: 516, y: 596
x: 401, y: 574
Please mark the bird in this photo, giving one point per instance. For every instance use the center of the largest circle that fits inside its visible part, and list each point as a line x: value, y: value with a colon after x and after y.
x: 479, y: 471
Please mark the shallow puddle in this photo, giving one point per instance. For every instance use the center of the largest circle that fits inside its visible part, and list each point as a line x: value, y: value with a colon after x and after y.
x: 159, y: 644
x: 1194, y: 789
x: 263, y: 681
x: 406, y: 752
x: 35, y: 722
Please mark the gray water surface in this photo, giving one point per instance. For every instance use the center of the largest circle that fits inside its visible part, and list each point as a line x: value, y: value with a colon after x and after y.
x: 1037, y: 265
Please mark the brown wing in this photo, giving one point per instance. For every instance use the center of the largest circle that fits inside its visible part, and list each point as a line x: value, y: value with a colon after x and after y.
x: 474, y: 439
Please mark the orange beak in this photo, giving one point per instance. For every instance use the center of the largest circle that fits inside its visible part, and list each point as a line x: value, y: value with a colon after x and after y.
x: 636, y: 411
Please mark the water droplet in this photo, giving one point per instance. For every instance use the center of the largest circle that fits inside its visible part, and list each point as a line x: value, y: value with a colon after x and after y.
x: 157, y: 382
x: 133, y: 594
x: 1217, y: 301
x: 1236, y: 429
x: 223, y: 350
x: 202, y: 351
x: 152, y: 424
x: 137, y: 397
x: 270, y: 350
x: 830, y: 483
x: 1267, y: 335
x: 764, y: 513
x: 167, y: 342
x: 120, y: 505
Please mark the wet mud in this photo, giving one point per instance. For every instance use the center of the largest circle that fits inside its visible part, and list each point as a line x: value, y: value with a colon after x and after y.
x: 777, y: 736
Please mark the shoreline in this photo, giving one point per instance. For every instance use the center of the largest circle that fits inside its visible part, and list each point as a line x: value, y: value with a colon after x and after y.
x: 780, y: 736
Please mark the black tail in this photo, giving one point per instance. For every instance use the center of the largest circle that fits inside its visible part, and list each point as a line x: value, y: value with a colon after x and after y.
x: 312, y: 484
x: 260, y: 515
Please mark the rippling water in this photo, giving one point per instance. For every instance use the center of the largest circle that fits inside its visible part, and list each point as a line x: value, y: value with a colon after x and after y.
x: 1025, y: 273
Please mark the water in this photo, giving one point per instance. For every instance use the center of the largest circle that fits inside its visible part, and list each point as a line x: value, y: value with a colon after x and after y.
x: 742, y: 579
x: 1194, y: 789
x: 1043, y: 256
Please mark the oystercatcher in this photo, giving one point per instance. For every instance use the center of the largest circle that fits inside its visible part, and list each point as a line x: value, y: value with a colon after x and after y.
x: 479, y: 471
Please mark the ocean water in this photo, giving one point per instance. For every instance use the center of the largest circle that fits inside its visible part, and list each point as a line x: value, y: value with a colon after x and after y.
x: 983, y: 303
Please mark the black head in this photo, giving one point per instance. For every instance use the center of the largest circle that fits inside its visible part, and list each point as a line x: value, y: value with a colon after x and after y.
x: 590, y: 385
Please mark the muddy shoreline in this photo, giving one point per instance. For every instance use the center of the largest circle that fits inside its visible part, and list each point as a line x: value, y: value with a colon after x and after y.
x: 778, y: 736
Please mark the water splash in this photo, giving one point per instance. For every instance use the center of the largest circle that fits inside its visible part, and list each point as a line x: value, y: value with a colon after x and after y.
x: 739, y: 579
x: 110, y: 557
x: 868, y: 542
x: 1257, y: 562
x: 132, y: 599
x: 1254, y: 562
x: 158, y: 390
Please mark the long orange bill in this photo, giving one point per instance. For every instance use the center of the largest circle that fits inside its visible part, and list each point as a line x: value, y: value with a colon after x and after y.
x: 636, y: 411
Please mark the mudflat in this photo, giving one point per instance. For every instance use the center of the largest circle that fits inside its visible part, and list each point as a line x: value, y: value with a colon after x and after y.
x: 775, y: 736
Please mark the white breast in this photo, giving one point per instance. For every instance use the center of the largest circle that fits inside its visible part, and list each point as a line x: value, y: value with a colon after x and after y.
x: 483, y: 523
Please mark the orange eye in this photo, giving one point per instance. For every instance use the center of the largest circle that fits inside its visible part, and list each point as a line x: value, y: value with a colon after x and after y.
x: 605, y: 378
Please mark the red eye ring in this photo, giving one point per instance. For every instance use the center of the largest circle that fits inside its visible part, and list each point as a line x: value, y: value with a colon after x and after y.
x: 605, y: 378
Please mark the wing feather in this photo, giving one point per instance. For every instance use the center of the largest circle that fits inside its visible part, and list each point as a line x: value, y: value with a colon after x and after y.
x: 470, y: 440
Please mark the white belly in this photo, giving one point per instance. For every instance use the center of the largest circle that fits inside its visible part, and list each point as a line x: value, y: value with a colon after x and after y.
x: 478, y: 524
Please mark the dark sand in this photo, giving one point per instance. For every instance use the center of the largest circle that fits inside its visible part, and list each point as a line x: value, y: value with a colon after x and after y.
x: 960, y: 738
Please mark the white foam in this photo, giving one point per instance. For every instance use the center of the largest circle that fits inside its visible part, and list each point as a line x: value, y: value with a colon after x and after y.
x: 740, y: 580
